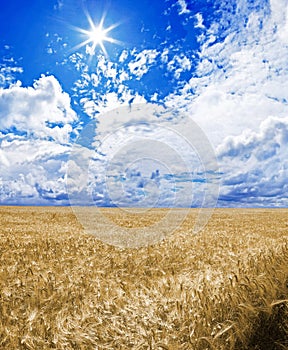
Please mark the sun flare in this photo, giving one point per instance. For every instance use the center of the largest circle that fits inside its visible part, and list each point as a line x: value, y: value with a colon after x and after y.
x: 96, y: 35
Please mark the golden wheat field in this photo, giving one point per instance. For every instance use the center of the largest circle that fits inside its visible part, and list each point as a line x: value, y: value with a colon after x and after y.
x: 222, y: 288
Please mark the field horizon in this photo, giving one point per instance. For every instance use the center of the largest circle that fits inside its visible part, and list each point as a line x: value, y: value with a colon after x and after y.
x: 224, y: 287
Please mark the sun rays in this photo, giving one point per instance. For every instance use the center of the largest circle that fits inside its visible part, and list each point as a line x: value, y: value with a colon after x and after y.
x: 96, y: 35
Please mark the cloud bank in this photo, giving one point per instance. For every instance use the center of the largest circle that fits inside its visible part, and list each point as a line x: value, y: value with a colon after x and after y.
x: 232, y: 82
x: 36, y: 128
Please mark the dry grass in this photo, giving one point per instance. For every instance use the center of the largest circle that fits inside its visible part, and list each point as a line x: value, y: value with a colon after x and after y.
x: 225, y: 288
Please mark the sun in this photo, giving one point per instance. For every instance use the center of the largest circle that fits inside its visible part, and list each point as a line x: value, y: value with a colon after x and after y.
x: 96, y: 35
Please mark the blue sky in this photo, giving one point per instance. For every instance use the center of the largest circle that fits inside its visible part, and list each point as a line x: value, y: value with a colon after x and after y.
x: 221, y: 65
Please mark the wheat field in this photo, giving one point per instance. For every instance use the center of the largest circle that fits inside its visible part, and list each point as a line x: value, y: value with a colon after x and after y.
x: 222, y: 288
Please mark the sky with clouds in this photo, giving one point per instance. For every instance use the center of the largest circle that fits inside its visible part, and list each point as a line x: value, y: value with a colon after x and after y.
x: 141, y: 117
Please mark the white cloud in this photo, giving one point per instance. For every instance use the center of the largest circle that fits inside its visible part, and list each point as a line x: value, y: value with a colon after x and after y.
x: 241, y: 82
x: 263, y: 144
x: 179, y: 64
x: 255, y: 164
x: 123, y: 75
x: 123, y: 56
x: 279, y: 9
x: 8, y: 74
x: 182, y: 7
x: 143, y: 155
x: 143, y: 61
x: 164, y: 55
x: 199, y: 19
x: 3, y: 159
x: 110, y: 101
x: 32, y: 171
x: 35, y: 109
x: 108, y: 69
x: 106, y: 88
x: 36, y: 124
x: 78, y: 60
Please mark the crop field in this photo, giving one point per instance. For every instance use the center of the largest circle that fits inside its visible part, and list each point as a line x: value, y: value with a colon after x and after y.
x: 222, y: 288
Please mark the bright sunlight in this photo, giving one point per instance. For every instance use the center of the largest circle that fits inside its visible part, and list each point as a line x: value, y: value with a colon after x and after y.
x: 96, y: 35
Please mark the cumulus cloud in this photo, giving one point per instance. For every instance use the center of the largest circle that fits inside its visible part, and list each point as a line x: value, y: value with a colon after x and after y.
x: 36, y: 126
x: 241, y: 79
x: 264, y: 144
x: 32, y: 171
x: 143, y: 156
x: 241, y: 82
x: 42, y: 110
x: 255, y: 165
x: 238, y: 93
